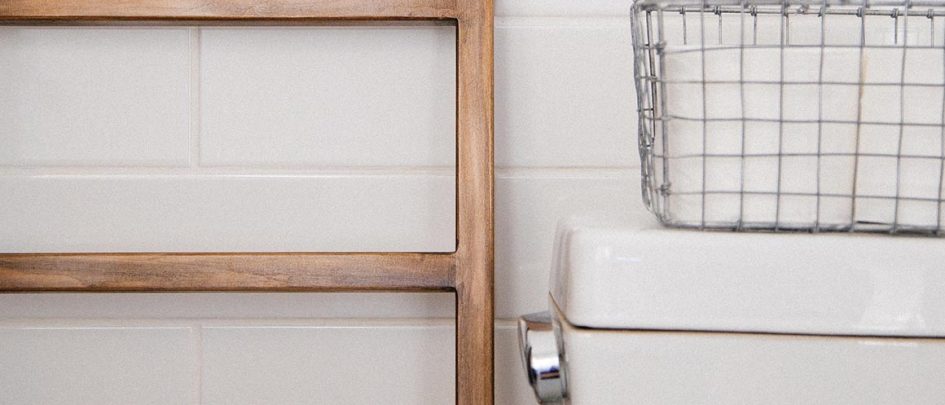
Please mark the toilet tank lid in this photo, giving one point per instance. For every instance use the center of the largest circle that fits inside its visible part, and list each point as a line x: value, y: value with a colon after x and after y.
x: 615, y: 273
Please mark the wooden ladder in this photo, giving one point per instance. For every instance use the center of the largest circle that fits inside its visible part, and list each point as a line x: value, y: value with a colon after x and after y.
x: 467, y: 271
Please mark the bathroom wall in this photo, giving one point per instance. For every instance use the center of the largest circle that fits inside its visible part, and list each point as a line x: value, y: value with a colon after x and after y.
x: 268, y: 139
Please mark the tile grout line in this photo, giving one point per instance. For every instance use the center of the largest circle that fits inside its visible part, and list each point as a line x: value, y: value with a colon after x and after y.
x: 194, y: 157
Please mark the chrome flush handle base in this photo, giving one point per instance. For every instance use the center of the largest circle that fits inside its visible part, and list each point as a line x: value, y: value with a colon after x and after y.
x: 542, y: 355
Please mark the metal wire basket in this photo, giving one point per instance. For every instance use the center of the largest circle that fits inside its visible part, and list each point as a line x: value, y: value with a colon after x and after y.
x: 795, y: 115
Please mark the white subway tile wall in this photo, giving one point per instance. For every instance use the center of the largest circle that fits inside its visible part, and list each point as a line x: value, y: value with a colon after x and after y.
x: 188, y: 139
x: 245, y: 212
x: 328, y: 97
x: 563, y: 91
x: 80, y: 362
x: 332, y: 363
x: 94, y: 96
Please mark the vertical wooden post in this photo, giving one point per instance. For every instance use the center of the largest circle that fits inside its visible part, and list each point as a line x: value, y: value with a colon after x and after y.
x: 475, y: 305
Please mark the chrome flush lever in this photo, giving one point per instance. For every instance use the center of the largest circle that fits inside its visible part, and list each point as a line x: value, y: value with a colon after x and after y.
x: 542, y: 356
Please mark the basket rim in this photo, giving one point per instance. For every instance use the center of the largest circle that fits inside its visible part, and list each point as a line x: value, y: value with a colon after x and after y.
x: 638, y: 4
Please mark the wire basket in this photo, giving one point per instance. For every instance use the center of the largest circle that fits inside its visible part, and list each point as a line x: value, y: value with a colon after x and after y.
x: 792, y: 115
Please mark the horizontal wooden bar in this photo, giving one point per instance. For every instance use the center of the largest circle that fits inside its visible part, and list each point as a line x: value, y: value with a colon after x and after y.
x: 118, y: 272
x: 24, y: 11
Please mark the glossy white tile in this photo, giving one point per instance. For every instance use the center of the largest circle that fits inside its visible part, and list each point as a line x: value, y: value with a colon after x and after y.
x: 301, y: 97
x: 94, y: 96
x: 97, y: 365
x: 564, y: 93
x: 328, y: 364
x: 183, y: 213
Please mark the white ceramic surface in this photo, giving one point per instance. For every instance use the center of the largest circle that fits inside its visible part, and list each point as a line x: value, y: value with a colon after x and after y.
x: 559, y: 80
x: 94, y: 96
x: 654, y: 368
x: 284, y: 364
x: 316, y: 103
x: 613, y: 272
x: 223, y: 212
x: 107, y: 363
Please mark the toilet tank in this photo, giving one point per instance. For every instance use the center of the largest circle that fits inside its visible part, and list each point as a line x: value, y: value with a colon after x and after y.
x: 613, y: 273
x: 643, y: 314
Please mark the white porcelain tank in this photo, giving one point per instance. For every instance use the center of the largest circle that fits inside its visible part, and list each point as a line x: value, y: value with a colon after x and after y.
x: 647, y: 315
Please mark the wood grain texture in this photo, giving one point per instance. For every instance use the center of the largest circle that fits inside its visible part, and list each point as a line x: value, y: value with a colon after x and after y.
x: 26, y: 11
x: 468, y: 271
x: 475, y: 305
x: 226, y: 272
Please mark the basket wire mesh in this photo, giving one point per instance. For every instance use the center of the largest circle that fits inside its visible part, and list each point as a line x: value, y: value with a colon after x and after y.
x: 793, y: 115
